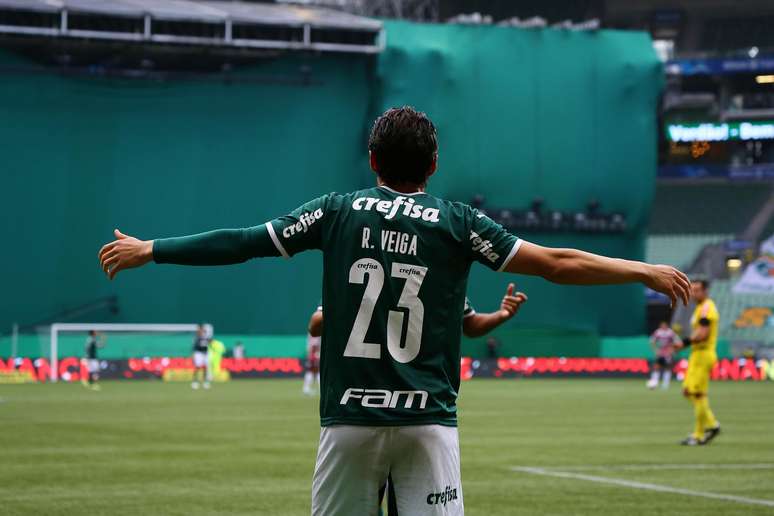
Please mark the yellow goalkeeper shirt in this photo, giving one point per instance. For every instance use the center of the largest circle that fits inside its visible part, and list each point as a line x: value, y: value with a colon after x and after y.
x: 216, y: 349
x: 706, y: 310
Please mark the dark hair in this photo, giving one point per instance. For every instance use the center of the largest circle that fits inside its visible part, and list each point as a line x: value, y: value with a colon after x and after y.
x: 705, y: 284
x: 404, y: 144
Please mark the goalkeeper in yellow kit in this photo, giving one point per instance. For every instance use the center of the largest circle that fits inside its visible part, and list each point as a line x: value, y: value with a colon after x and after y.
x: 703, y: 341
x: 215, y: 351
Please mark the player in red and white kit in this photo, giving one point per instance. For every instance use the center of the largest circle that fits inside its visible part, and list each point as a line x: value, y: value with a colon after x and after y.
x: 663, y: 341
x: 312, y: 364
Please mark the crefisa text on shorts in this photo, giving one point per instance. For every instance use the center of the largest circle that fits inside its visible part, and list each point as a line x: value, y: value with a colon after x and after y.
x: 447, y: 495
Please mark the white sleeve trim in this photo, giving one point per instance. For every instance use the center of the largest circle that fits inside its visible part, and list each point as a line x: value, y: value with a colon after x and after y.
x: 276, y: 241
x: 514, y: 250
x: 469, y: 314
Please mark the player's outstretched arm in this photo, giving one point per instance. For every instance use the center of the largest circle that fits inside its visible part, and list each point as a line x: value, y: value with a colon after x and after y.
x: 125, y: 252
x: 219, y: 247
x: 574, y: 267
x: 478, y: 324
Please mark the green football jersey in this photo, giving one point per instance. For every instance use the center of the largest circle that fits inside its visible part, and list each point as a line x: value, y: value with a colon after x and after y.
x: 395, y: 271
x: 467, y: 309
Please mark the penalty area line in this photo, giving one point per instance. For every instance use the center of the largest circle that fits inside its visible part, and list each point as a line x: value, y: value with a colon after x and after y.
x: 642, y: 485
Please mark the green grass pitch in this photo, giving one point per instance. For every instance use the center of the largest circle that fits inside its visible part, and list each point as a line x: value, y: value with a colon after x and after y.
x: 248, y: 447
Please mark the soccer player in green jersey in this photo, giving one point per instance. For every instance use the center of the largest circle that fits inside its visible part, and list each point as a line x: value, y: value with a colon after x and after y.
x: 199, y: 358
x: 94, y: 342
x: 395, y: 267
x: 474, y: 324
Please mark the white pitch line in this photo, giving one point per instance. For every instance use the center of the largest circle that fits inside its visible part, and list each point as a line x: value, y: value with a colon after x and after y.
x: 644, y: 486
x: 659, y: 467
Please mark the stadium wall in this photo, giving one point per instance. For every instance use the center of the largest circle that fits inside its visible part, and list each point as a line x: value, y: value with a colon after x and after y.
x: 562, y: 115
x: 567, y: 116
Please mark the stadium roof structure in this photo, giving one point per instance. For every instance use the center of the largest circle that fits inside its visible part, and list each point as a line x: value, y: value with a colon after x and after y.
x: 194, y: 22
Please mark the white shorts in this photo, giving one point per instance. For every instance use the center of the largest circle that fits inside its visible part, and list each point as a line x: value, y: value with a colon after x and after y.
x: 200, y: 359
x: 353, y: 463
x: 92, y: 364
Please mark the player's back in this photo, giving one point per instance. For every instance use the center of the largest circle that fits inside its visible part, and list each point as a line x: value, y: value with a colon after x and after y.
x: 394, y: 281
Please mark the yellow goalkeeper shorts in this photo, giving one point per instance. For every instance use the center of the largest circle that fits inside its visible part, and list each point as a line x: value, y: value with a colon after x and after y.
x: 697, y: 376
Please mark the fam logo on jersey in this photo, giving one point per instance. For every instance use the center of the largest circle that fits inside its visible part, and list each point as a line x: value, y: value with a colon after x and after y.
x: 380, y: 398
x: 483, y: 246
x: 304, y: 221
x: 449, y: 494
x: 407, y: 207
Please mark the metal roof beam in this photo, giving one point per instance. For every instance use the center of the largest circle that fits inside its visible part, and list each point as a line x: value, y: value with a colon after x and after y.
x: 193, y: 22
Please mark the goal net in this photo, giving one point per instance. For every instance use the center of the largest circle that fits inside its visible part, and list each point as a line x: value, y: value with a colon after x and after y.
x: 121, y: 341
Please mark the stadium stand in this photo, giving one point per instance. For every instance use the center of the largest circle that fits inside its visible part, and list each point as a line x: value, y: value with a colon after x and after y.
x: 721, y: 208
x: 737, y: 33
x: 679, y: 250
x: 744, y: 317
x: 689, y: 216
x: 689, y: 220
x: 768, y: 230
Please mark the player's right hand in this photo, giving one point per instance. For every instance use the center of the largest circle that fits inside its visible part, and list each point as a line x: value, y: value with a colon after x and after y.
x: 125, y: 252
x: 670, y: 282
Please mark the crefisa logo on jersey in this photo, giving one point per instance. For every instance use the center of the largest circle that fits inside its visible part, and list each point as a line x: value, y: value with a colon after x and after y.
x: 449, y: 494
x: 483, y: 246
x: 407, y: 207
x: 304, y: 221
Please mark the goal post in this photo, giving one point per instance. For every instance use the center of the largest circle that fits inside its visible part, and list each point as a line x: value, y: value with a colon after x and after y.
x: 58, y: 328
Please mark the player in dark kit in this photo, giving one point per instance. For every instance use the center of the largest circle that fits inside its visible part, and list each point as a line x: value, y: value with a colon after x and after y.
x: 93, y: 343
x: 199, y: 355
x: 395, y: 268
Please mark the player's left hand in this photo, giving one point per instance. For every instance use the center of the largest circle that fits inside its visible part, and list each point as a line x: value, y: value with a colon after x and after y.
x: 125, y: 252
x: 511, y: 302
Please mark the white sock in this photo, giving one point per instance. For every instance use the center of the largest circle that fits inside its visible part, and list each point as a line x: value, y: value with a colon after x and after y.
x: 654, y: 376
x: 308, y: 379
x: 665, y: 379
x: 317, y: 377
